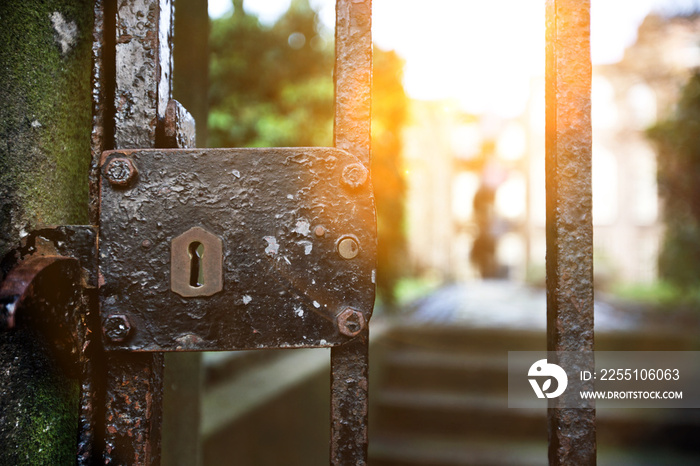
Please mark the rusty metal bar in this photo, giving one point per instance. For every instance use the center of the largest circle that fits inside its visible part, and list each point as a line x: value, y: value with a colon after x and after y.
x: 99, y: 100
x: 569, y: 218
x: 350, y: 362
x: 353, y: 77
x: 142, y: 86
x: 349, y: 401
x: 142, y: 72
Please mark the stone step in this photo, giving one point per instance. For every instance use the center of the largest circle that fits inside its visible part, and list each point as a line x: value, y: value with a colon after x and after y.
x: 413, y: 369
x: 440, y: 398
x: 413, y: 450
x: 398, y: 411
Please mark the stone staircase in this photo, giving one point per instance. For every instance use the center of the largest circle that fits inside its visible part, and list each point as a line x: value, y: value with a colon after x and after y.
x: 440, y: 399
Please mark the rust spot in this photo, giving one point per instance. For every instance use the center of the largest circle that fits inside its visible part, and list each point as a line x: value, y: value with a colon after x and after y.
x: 351, y: 322
x: 124, y: 38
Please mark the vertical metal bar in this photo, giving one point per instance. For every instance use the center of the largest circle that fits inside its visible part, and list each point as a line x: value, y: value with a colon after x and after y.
x: 99, y: 101
x: 143, y: 70
x: 350, y: 362
x: 569, y: 218
x: 349, y: 402
x: 353, y: 77
x: 133, y: 408
x: 134, y: 384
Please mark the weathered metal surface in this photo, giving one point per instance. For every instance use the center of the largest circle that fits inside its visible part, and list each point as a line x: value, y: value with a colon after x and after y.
x: 297, y: 229
x: 349, y: 402
x: 142, y: 42
x: 178, y: 127
x: 353, y: 77
x: 143, y: 69
x: 133, y: 408
x: 102, y: 68
x: 349, y: 362
x: 283, y: 285
x: 569, y: 219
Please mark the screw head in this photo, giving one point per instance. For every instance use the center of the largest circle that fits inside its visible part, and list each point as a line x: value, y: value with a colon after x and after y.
x: 319, y: 231
x: 351, y: 322
x: 355, y: 175
x: 117, y: 328
x: 120, y: 171
x: 348, y: 248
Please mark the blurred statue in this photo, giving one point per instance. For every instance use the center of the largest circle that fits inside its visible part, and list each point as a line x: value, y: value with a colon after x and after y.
x: 483, y: 253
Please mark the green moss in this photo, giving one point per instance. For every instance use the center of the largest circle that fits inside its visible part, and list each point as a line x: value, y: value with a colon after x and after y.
x: 45, y: 122
x: 38, y: 403
x: 45, y: 118
x: 661, y: 295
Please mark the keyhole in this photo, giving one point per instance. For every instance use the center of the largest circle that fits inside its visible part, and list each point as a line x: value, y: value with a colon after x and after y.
x: 196, y: 251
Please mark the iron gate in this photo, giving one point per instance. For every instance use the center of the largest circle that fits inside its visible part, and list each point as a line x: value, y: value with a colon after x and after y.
x: 132, y: 111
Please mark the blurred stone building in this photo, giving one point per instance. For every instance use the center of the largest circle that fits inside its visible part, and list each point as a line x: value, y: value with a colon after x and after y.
x: 449, y: 155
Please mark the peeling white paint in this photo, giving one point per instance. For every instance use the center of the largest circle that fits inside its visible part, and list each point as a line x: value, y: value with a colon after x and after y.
x: 66, y: 31
x: 374, y: 276
x: 236, y: 173
x: 287, y: 260
x: 247, y: 299
x: 322, y: 342
x: 308, y: 247
x: 303, y: 227
x: 316, y: 304
x: 272, y: 246
x: 299, y: 312
x: 36, y: 124
x: 289, y: 196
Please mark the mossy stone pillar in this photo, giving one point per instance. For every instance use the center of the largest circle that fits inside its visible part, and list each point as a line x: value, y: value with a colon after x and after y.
x: 45, y: 123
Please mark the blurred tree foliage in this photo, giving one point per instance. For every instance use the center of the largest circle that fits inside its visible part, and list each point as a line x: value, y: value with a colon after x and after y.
x: 678, y: 141
x: 272, y: 86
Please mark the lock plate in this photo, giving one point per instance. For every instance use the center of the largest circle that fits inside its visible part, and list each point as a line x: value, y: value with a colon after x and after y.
x: 282, y: 219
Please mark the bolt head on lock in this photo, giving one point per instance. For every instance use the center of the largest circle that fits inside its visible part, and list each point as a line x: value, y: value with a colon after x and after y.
x: 351, y: 322
x: 120, y: 171
x: 348, y: 248
x: 117, y: 328
x: 355, y: 175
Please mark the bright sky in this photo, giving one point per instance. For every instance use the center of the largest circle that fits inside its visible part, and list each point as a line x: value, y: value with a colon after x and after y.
x: 480, y: 53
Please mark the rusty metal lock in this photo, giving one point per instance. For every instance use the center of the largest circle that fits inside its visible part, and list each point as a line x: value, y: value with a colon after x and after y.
x: 227, y: 249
